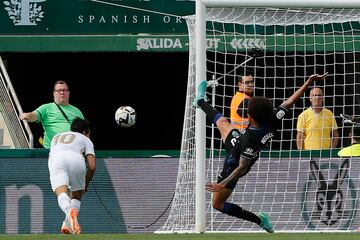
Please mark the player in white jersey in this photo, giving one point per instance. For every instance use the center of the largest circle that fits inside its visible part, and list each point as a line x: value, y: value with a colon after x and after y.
x: 71, y: 165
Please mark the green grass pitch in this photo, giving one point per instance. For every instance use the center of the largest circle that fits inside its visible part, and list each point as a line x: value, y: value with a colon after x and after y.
x: 205, y: 236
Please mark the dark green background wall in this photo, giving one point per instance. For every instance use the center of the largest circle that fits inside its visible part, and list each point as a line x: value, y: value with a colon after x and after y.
x: 154, y: 84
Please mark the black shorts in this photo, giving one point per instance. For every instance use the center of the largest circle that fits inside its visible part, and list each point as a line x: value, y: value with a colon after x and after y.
x: 230, y: 163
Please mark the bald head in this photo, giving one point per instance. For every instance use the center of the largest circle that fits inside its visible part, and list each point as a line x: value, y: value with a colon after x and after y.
x: 316, y: 99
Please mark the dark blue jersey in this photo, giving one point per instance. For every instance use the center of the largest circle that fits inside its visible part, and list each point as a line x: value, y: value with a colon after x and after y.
x: 248, y: 143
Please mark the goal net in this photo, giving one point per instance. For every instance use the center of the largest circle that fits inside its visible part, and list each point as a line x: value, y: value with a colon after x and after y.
x: 301, y: 190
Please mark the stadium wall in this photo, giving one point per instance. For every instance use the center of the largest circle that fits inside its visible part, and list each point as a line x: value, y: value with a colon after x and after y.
x: 135, y: 190
x: 137, y: 187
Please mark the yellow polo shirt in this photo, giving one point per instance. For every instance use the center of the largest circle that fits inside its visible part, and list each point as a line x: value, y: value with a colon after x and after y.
x: 317, y: 128
x: 351, y: 151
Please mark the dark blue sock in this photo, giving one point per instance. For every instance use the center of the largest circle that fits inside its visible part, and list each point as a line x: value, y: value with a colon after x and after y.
x: 211, y: 113
x: 236, y: 211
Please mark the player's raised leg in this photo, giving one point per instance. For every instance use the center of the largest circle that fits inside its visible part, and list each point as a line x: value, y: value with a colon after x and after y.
x: 213, y: 115
x: 201, y: 93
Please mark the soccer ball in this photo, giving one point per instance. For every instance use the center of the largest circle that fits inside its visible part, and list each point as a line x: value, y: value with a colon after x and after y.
x: 125, y: 116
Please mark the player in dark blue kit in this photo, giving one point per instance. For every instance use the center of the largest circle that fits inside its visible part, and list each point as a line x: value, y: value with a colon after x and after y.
x: 243, y: 147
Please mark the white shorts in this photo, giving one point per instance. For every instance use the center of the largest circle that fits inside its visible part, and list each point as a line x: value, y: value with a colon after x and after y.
x: 67, y: 168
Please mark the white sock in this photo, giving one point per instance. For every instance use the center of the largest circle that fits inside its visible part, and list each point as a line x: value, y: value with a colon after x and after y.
x: 75, y: 204
x: 64, y: 202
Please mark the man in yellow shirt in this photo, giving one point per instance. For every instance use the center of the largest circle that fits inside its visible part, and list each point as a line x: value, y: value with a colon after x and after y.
x: 316, y: 126
x: 354, y: 149
x: 240, y: 101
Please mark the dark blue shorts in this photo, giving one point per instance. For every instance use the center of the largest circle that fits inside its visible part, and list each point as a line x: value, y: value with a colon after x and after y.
x: 230, y: 163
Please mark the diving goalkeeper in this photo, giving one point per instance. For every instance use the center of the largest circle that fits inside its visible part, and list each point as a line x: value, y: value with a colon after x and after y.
x: 243, y: 146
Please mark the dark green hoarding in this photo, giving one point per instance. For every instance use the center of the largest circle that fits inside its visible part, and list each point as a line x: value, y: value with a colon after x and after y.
x: 89, y: 25
x: 141, y: 26
x: 93, y: 17
x: 175, y: 43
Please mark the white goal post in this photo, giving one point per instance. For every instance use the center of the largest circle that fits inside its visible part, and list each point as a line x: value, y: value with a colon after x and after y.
x: 320, y: 50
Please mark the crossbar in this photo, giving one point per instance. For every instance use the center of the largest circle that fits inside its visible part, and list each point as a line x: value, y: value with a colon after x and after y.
x: 283, y: 3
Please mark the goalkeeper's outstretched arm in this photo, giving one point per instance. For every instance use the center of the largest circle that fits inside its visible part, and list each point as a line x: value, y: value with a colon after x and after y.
x: 296, y: 95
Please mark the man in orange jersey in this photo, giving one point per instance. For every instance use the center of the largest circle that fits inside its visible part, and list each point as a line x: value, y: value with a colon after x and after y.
x: 240, y: 101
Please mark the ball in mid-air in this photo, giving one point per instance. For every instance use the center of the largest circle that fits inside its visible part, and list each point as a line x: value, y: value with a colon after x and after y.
x: 125, y: 116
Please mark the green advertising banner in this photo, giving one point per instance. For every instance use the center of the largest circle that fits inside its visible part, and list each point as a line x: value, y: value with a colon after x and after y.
x: 176, y: 43
x: 93, y: 17
x: 90, y: 25
x: 137, y: 25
